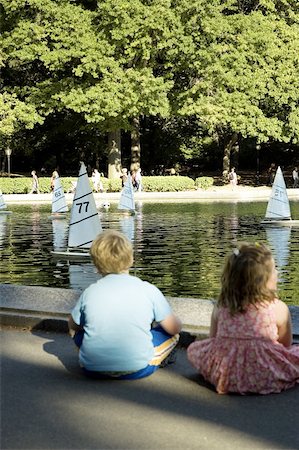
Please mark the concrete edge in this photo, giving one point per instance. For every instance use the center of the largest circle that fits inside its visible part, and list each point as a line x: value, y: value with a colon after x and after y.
x: 48, y: 309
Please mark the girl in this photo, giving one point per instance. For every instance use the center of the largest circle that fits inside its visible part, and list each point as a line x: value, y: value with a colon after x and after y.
x: 249, y: 349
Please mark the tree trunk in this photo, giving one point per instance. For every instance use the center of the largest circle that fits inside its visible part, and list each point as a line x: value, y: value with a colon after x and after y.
x: 114, y: 154
x: 227, y: 154
x: 135, y: 144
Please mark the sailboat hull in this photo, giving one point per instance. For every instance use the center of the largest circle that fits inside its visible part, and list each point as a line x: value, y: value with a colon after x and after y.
x: 69, y: 254
x: 281, y: 223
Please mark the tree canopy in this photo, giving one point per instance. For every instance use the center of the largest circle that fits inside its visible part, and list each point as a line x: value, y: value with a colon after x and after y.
x: 228, y: 68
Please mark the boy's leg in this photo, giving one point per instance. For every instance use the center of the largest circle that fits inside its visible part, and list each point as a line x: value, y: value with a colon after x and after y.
x: 78, y: 338
x: 164, y: 344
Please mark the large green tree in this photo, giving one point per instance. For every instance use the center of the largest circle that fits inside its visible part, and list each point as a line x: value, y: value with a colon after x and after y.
x: 244, y: 75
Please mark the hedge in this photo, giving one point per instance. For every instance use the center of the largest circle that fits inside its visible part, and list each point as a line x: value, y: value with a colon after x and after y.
x: 204, y: 182
x: 22, y: 185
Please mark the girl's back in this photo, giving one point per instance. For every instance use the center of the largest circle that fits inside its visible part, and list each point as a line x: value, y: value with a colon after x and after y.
x: 258, y: 322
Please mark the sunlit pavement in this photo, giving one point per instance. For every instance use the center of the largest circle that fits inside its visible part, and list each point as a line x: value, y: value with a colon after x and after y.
x: 215, y: 193
x: 48, y: 404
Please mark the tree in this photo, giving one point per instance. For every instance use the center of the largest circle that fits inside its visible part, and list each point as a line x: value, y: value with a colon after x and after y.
x: 244, y: 76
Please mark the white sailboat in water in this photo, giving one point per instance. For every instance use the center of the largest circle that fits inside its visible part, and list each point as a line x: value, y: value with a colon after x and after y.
x: 59, y: 205
x: 127, y: 202
x: 278, y: 211
x: 3, y: 206
x: 85, y: 222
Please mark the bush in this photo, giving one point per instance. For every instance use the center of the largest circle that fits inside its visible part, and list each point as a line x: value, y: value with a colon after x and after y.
x: 204, y: 182
x: 149, y: 184
x: 167, y: 184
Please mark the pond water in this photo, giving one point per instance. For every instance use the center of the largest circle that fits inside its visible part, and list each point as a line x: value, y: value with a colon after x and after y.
x: 180, y: 247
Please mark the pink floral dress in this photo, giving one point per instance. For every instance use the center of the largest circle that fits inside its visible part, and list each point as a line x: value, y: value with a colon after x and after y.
x: 245, y: 355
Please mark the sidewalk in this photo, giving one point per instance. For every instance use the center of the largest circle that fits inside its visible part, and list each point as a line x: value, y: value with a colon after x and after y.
x: 48, y: 404
x: 215, y: 193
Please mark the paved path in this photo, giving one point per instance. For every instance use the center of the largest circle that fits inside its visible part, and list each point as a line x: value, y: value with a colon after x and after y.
x: 48, y: 404
x: 215, y: 193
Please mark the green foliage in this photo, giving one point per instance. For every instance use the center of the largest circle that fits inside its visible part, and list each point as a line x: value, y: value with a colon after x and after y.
x: 167, y: 184
x: 204, y: 182
x: 245, y: 76
x: 23, y: 185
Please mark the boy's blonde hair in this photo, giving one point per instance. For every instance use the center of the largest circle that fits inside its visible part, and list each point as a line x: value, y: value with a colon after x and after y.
x: 111, y: 252
x: 244, y: 278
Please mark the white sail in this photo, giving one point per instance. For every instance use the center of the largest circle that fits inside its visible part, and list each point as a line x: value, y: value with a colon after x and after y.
x: 58, y: 198
x: 2, y: 202
x: 127, y: 201
x: 85, y: 222
x: 278, y: 205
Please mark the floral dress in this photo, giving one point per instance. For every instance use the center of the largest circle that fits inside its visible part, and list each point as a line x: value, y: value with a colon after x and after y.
x: 245, y: 356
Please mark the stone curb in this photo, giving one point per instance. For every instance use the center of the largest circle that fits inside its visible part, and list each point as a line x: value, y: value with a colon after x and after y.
x: 48, y: 309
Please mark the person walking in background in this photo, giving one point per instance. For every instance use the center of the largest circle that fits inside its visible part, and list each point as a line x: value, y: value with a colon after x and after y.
x: 295, y: 177
x: 271, y: 173
x: 124, y: 176
x: 35, y: 183
x: 138, y: 180
x: 233, y: 179
x: 96, y: 180
x: 250, y: 346
x: 113, y: 318
x: 53, y: 178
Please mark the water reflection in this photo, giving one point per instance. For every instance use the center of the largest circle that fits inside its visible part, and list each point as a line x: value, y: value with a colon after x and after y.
x: 279, y: 242
x: 3, y: 228
x: 60, y: 229
x: 127, y: 226
x: 81, y: 275
x: 179, y: 247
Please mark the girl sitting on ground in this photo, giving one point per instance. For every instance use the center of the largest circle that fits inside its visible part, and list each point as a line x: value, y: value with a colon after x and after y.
x: 113, y: 317
x: 249, y: 349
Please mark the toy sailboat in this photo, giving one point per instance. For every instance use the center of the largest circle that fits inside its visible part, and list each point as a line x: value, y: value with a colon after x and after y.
x: 3, y: 206
x: 85, y: 222
x: 278, y: 211
x: 59, y: 206
x: 127, y: 202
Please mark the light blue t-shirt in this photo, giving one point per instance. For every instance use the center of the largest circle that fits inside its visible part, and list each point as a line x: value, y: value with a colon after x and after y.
x: 116, y: 313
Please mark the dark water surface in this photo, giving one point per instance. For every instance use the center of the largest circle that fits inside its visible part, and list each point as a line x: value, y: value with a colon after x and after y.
x: 179, y: 247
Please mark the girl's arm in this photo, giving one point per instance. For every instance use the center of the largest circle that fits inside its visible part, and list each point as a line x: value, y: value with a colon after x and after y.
x: 284, y: 324
x: 214, y: 322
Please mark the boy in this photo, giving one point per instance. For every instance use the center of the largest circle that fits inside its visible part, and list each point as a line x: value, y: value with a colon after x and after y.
x: 113, y: 317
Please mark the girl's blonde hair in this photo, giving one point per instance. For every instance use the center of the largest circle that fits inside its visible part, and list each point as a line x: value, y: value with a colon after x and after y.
x: 111, y: 252
x: 244, y: 278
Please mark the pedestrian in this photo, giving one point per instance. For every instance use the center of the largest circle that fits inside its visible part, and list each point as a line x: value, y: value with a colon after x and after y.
x: 271, y: 173
x: 113, y: 317
x: 96, y: 180
x: 250, y: 346
x: 295, y: 177
x: 53, y: 178
x: 124, y: 176
x: 138, y: 180
x: 233, y: 178
x: 35, y: 183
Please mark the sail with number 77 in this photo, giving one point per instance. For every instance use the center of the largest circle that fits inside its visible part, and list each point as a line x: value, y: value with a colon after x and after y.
x: 85, y: 222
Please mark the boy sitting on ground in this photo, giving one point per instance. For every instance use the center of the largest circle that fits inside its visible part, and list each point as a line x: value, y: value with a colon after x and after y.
x: 113, y: 317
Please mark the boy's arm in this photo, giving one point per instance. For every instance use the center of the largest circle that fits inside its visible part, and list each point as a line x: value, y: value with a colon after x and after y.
x: 73, y: 326
x: 171, y: 324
